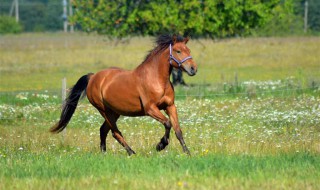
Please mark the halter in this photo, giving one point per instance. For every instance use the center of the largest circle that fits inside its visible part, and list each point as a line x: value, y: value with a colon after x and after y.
x: 175, y: 59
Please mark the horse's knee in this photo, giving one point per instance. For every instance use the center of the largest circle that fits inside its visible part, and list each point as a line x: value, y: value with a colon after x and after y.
x: 167, y: 124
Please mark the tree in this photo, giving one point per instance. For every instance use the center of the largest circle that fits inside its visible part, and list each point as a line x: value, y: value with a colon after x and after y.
x: 314, y: 15
x: 37, y: 15
x: 213, y: 18
x: 284, y: 20
x: 9, y: 25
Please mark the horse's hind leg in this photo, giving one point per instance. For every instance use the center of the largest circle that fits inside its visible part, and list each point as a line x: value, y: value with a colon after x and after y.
x: 110, y: 120
x: 118, y: 136
x: 104, y: 129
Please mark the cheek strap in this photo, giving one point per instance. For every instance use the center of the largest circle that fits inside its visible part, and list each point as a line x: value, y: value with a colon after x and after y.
x: 176, y: 60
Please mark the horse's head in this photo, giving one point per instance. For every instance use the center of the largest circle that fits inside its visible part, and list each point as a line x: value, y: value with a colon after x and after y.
x: 180, y: 56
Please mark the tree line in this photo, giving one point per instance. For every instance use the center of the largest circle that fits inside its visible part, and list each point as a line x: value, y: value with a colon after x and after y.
x: 199, y: 18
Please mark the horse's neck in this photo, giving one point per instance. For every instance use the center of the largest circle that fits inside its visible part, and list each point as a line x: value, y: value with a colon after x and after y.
x: 157, y: 67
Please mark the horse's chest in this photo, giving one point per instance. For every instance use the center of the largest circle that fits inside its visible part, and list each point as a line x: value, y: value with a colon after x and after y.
x: 165, y: 98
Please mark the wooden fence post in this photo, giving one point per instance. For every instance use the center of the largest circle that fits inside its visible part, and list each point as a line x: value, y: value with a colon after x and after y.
x: 236, y: 82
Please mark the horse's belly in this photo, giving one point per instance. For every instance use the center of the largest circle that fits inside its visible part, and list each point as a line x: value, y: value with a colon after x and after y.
x: 123, y: 105
x: 121, y: 96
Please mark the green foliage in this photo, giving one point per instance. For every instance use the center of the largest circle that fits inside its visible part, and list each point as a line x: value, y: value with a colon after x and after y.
x: 41, y: 16
x: 37, y: 15
x: 213, y: 18
x: 9, y: 25
x: 314, y: 15
x: 205, y: 18
x: 283, y: 22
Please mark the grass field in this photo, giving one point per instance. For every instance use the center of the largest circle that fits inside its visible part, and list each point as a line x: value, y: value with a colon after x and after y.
x: 38, y: 61
x: 251, y: 117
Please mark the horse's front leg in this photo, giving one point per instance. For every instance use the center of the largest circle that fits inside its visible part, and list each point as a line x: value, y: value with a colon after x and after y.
x: 154, y: 112
x: 173, y: 115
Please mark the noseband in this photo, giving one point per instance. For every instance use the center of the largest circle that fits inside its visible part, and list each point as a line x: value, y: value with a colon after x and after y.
x: 175, y: 59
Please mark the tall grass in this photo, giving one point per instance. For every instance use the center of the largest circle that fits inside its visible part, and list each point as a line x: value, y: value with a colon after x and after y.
x: 39, y: 61
x: 227, y: 126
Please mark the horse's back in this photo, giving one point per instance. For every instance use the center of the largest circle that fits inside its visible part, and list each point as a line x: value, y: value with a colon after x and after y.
x: 100, y: 79
x: 106, y: 74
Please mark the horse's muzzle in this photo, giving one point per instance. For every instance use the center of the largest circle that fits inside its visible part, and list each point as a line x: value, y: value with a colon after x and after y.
x: 191, y: 70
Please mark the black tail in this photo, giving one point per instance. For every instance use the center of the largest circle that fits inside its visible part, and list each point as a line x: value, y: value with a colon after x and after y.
x: 71, y: 103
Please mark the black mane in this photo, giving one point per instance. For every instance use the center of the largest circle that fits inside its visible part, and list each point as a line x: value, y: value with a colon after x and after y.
x: 163, y: 42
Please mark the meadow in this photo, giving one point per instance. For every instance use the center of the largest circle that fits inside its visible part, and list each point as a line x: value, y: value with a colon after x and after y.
x: 250, y: 117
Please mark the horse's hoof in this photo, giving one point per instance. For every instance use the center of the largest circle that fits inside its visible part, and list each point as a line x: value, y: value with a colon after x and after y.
x: 131, y: 152
x: 103, y: 149
x: 186, y: 150
x: 160, y: 146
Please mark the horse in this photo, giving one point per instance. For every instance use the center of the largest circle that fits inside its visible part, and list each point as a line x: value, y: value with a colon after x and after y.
x: 143, y: 91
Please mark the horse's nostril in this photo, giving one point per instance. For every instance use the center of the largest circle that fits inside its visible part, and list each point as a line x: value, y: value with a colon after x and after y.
x: 193, y: 70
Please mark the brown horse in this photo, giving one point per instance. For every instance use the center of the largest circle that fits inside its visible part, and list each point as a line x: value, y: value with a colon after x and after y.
x: 143, y: 91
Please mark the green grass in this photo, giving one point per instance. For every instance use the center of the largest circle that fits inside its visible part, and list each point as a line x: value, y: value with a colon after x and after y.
x: 171, y: 171
x: 269, y: 143
x: 250, y: 117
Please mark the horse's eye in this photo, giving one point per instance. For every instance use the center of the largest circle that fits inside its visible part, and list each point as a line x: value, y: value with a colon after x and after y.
x: 178, y: 52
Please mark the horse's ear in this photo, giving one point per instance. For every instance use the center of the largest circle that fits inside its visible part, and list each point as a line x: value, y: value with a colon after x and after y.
x: 186, y: 39
x: 174, y: 38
